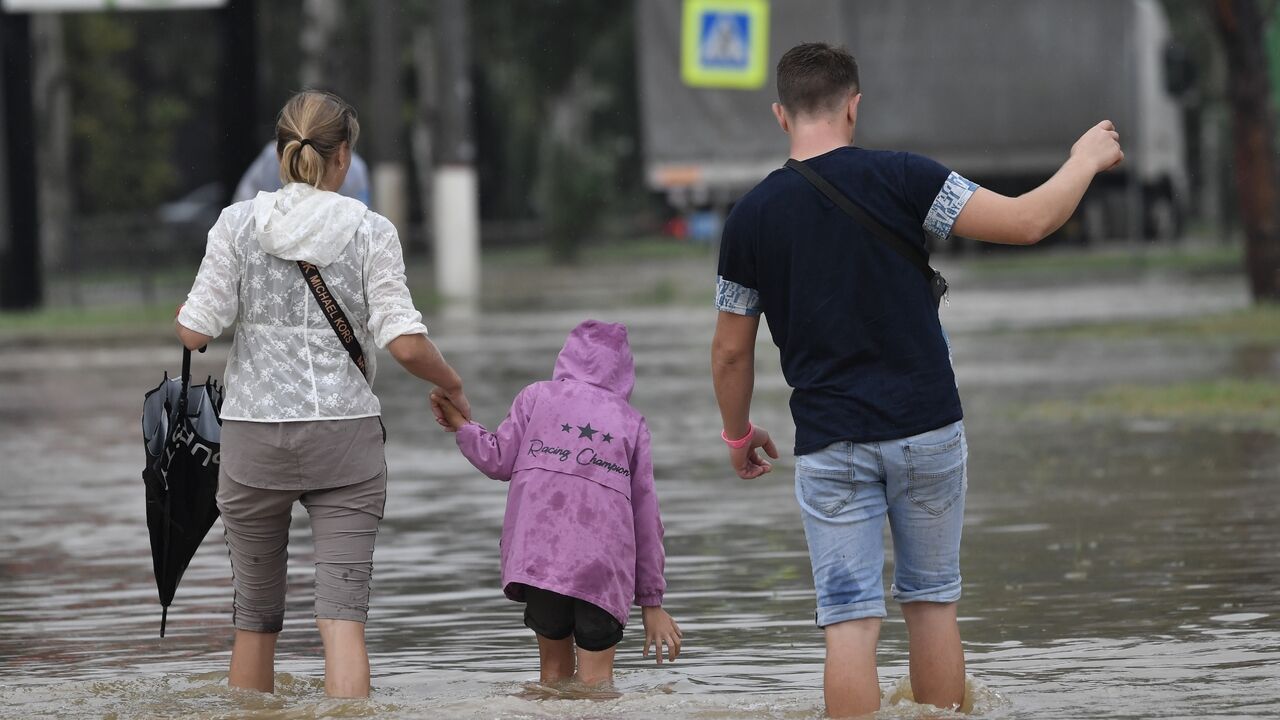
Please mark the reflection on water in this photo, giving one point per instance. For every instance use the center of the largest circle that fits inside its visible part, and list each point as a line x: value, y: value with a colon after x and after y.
x: 1109, y: 571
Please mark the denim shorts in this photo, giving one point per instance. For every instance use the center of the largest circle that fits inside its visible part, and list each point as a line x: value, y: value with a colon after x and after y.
x: 846, y: 490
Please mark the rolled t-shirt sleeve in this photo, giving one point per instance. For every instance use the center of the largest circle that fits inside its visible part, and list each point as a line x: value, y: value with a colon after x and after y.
x: 736, y: 286
x: 935, y: 194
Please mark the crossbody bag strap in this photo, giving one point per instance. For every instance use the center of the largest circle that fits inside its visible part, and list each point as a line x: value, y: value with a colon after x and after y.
x: 334, y: 314
x: 913, y: 254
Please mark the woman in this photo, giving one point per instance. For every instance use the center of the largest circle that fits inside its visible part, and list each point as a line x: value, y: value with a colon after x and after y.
x: 300, y: 419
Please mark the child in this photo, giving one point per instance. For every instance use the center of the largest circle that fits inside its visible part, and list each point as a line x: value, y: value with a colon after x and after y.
x: 582, y: 536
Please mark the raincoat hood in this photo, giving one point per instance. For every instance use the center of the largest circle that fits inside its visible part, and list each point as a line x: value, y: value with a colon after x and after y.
x: 302, y: 222
x: 598, y: 353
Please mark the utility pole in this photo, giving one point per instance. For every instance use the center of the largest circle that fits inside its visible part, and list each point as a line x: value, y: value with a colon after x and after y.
x: 238, y: 93
x: 6, y: 228
x: 386, y: 140
x: 51, y: 90
x: 20, y: 277
x: 424, y: 116
x: 320, y: 24
x: 455, y: 212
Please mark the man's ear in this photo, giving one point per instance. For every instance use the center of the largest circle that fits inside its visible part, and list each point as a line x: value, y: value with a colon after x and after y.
x: 852, y: 108
x: 781, y: 116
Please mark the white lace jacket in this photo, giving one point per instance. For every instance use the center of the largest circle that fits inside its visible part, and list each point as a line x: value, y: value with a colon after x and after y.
x: 286, y: 362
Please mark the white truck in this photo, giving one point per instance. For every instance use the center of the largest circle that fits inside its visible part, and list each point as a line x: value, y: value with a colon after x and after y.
x: 998, y: 90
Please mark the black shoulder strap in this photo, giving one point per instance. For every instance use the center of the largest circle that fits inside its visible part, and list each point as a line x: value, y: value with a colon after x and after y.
x: 913, y: 254
x: 334, y: 314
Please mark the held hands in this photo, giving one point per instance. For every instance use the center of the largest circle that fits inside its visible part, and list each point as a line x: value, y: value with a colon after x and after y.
x: 1100, y: 147
x: 452, y: 410
x: 747, y: 462
x: 659, y: 630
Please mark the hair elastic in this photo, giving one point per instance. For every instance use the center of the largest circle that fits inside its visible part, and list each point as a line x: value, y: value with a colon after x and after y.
x: 305, y: 142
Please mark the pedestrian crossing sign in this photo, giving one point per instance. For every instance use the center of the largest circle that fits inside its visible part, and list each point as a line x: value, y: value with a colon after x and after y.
x: 725, y: 43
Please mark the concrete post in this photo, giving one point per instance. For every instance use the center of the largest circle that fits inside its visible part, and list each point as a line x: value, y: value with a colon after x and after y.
x: 457, y: 233
x: 455, y: 212
x: 389, y: 179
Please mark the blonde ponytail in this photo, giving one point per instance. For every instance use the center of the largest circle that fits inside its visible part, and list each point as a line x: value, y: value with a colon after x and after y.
x: 309, y: 133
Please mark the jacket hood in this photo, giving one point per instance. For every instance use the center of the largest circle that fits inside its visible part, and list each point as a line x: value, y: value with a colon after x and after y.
x: 302, y: 222
x: 598, y: 353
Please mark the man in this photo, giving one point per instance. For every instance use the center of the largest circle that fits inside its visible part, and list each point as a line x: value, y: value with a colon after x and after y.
x: 263, y: 174
x: 877, y: 413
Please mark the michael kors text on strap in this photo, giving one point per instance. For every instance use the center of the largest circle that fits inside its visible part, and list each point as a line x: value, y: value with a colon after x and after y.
x: 334, y: 314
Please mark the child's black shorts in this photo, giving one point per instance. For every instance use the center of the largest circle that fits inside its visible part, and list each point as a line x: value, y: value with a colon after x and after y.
x: 556, y: 617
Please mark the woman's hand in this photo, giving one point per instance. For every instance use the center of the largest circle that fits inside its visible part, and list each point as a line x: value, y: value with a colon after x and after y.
x: 444, y: 405
x: 660, y: 629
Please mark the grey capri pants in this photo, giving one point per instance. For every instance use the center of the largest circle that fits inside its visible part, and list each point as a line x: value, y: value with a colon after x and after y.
x: 336, y: 468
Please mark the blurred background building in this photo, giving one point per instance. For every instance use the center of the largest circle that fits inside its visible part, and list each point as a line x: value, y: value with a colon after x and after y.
x: 566, y: 124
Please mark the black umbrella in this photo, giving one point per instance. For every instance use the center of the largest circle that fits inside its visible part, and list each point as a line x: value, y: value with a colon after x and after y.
x: 181, y: 430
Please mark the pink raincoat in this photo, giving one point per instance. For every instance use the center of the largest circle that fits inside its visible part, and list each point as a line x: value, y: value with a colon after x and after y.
x: 582, y: 514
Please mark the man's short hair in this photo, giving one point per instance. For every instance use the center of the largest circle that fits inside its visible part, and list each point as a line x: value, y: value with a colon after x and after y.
x: 816, y: 78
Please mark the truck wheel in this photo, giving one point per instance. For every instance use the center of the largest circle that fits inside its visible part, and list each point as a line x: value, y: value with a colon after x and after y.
x: 1093, y: 221
x: 1163, y: 220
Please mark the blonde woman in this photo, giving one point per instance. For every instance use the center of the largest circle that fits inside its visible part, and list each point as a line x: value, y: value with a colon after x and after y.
x: 301, y: 422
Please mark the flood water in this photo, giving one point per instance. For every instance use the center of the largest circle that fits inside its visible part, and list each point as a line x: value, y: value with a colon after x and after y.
x: 1117, y: 569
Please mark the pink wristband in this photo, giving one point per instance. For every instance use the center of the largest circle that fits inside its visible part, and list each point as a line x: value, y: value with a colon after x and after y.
x: 741, y: 442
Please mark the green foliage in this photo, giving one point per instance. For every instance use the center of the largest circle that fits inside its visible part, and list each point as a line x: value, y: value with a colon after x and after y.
x: 574, y: 191
x: 556, y: 90
x: 136, y: 81
x: 1192, y: 25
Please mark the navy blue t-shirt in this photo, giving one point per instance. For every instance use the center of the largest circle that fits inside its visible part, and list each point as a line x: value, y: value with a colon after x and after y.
x: 855, y: 322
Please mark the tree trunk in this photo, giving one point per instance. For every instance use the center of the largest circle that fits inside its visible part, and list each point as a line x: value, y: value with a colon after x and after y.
x: 52, y: 98
x: 424, y: 118
x: 320, y: 42
x: 455, y: 206
x: 571, y: 178
x: 386, y: 116
x: 1240, y: 25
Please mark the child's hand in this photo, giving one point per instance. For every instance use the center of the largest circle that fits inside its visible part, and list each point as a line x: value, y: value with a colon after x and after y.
x: 444, y: 408
x: 659, y: 630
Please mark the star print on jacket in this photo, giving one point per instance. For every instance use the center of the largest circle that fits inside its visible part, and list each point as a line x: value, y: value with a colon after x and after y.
x: 586, y: 431
x: 565, y: 427
x: 607, y: 437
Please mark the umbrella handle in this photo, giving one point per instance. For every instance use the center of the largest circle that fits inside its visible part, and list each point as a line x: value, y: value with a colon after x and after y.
x: 181, y: 418
x: 186, y: 380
